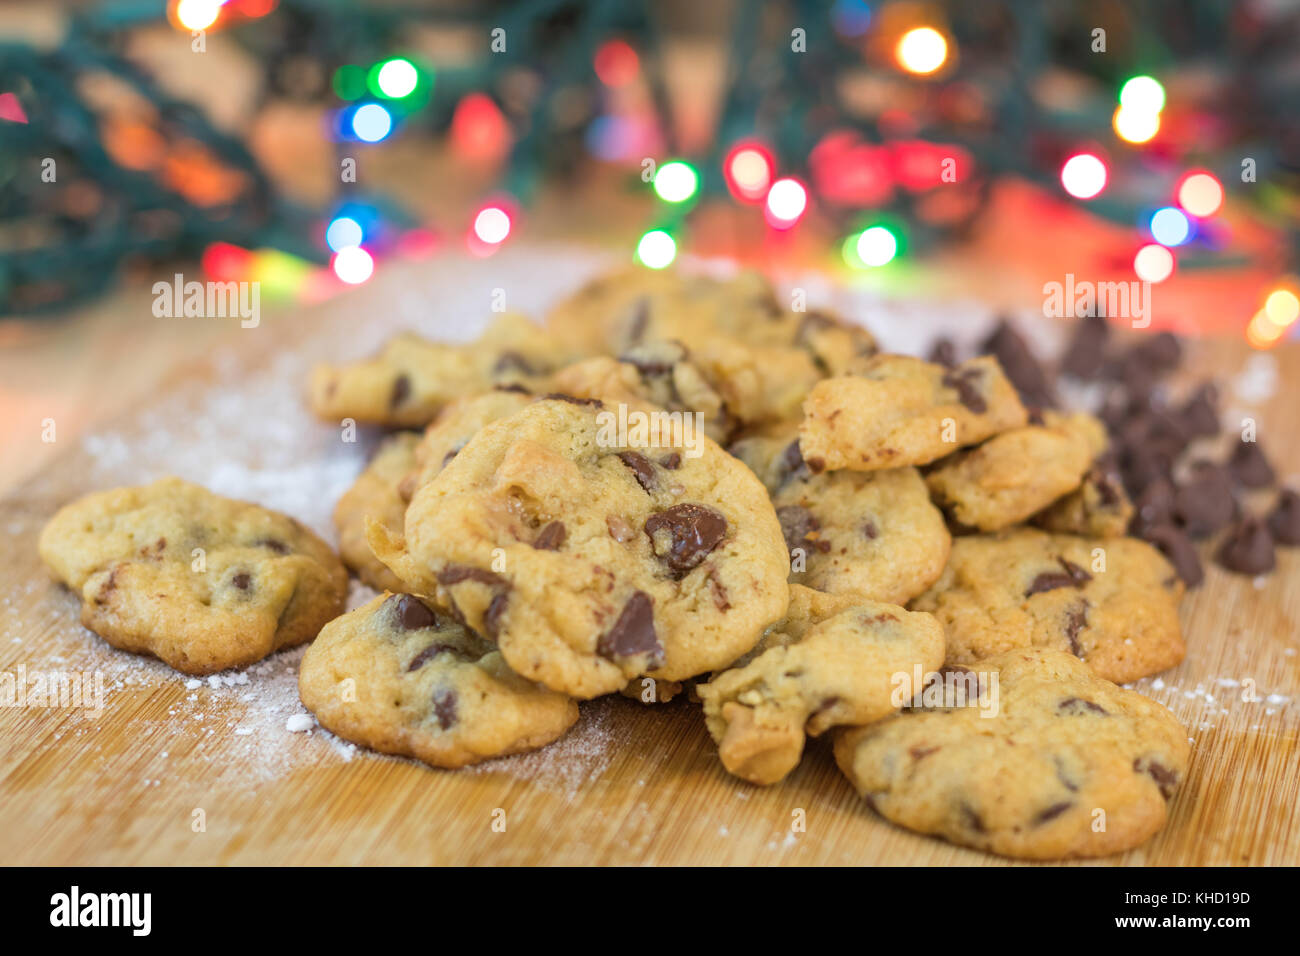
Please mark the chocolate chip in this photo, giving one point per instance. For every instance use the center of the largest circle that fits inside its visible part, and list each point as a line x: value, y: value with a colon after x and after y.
x: 428, y: 654
x: 513, y: 387
x: 492, y: 616
x: 1153, y: 507
x: 1162, y: 352
x: 1105, y: 479
x: 1086, y: 353
x: 410, y: 614
x: 401, y: 390
x: 671, y: 461
x: 242, y: 580
x: 642, y: 469
x: 640, y: 317
x: 798, y: 525
x: 1020, y: 366
x: 109, y: 586
x: 721, y: 600
x: 1075, y: 621
x: 685, y: 534
x: 918, y: 753
x: 633, y: 633
x: 513, y: 360
x: 1247, y: 548
x: 444, y: 706
x: 944, y: 352
x: 456, y: 573
x: 561, y: 397
x: 1284, y: 520
x: 1035, y: 417
x: 551, y: 537
x: 1077, y: 705
x: 655, y: 360
x: 1249, y: 466
x: 1142, y: 464
x: 1178, y: 549
x: 963, y: 381
x: 1070, y: 576
x: 279, y: 547
x: 792, y: 458
x: 971, y: 818
x: 1165, y: 778
x: 815, y: 465
x: 1204, y: 503
x: 1200, y: 414
x: 1051, y: 813
x: 869, y: 530
x: 810, y: 323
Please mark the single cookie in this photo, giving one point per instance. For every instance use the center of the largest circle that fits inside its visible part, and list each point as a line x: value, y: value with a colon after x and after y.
x: 1055, y: 762
x: 843, y: 670
x: 590, y: 560
x: 456, y: 424
x: 899, y: 410
x: 1112, y: 602
x: 875, y: 534
x: 411, y: 379
x: 1018, y: 472
x: 1098, y: 508
x: 399, y: 677
x: 201, y: 581
x: 375, y: 494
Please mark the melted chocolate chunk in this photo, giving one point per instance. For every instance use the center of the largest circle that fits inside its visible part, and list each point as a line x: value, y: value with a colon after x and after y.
x: 642, y: 468
x: 242, y: 580
x: 633, y: 633
x: 721, y: 600
x: 513, y: 387
x: 279, y: 547
x: 640, y: 318
x: 869, y: 530
x: 1070, y: 576
x: 963, y: 380
x: 444, y: 707
x: 1165, y: 778
x: 685, y: 534
x: 1052, y: 812
x: 551, y: 537
x: 944, y: 352
x: 509, y: 360
x: 1076, y: 619
x: 561, y: 397
x: 428, y: 654
x: 798, y: 525
x: 409, y: 613
x: 1177, y: 547
x: 1077, y: 705
x: 1284, y: 519
x: 1247, y: 548
x: 492, y: 616
x: 1249, y: 466
x: 671, y: 461
x: 971, y: 818
x: 792, y: 459
x: 401, y: 390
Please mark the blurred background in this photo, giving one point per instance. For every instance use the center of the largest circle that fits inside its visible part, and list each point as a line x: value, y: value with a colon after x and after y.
x: 942, y: 150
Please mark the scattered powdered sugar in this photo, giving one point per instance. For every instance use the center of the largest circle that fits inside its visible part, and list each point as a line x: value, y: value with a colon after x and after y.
x: 575, y: 760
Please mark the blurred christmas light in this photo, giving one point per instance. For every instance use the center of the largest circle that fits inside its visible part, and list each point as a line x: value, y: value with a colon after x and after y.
x: 1170, y: 227
x: 656, y: 249
x: 616, y: 63
x: 1134, y: 125
x: 1083, y: 175
x: 343, y: 232
x: 371, y: 123
x: 1200, y: 194
x: 1282, y: 308
x: 478, y: 128
x: 850, y: 17
x: 349, y: 82
x: 226, y: 263
x: 198, y: 14
x: 492, y: 225
x: 1143, y: 94
x: 1262, y: 333
x: 396, y: 78
x: 876, y: 246
x: 786, y: 202
x: 1153, y: 263
x: 922, y: 50
x: 748, y: 171
x: 676, y: 181
x: 279, y: 273
x: 353, y: 265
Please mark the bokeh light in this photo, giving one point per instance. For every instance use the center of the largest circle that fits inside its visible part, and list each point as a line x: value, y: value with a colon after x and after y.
x: 344, y: 231
x: 748, y: 171
x: 676, y: 181
x: 1262, y: 333
x: 657, y: 249
x: 198, y: 14
x: 1142, y: 94
x: 353, y: 265
x: 349, y: 82
x: 492, y: 225
x: 616, y: 63
x: 397, y: 78
x: 1153, y: 263
x: 1282, y: 307
x: 1200, y: 194
x: 786, y: 202
x: 371, y: 123
x: 851, y: 17
x: 922, y: 50
x: 876, y: 246
x: 1134, y: 125
x: 1170, y: 227
x: 1083, y: 175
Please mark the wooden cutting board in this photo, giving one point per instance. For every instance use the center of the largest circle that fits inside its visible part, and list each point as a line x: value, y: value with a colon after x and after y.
x: 208, y: 773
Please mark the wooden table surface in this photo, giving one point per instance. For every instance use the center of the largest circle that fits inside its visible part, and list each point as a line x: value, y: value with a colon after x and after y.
x: 208, y: 773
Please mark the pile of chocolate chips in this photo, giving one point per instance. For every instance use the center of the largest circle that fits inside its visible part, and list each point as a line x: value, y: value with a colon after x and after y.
x: 1178, y: 496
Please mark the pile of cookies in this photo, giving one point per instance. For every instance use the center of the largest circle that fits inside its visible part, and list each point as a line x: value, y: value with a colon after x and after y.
x: 678, y: 486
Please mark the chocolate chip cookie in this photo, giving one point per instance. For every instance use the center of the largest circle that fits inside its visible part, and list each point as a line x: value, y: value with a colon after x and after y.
x: 1066, y: 765
x: 875, y: 534
x: 401, y: 677
x: 200, y: 581
x: 1018, y: 472
x: 897, y: 410
x: 375, y: 494
x: 406, y: 384
x: 1098, y: 508
x: 591, y: 560
x: 842, y: 669
x: 456, y: 424
x: 1112, y: 602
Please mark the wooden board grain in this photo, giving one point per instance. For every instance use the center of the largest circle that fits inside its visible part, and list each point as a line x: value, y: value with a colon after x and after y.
x: 630, y: 784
